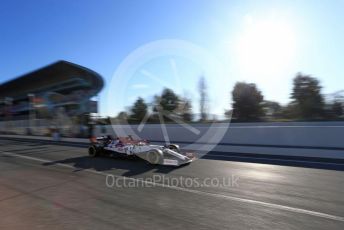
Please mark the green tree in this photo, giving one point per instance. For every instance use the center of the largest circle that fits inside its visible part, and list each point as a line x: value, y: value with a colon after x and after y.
x: 272, y: 108
x: 247, y: 102
x: 168, y: 100
x: 202, y: 88
x: 138, y: 110
x: 289, y: 111
x: 307, y: 97
x: 337, y: 109
x: 185, y: 109
x: 122, y: 116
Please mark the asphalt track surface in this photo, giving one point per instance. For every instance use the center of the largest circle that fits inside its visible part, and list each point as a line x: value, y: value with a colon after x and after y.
x: 47, y: 186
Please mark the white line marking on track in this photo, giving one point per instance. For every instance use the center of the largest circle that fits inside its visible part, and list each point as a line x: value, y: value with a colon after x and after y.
x: 286, y: 126
x: 277, y: 159
x: 257, y: 127
x: 233, y: 198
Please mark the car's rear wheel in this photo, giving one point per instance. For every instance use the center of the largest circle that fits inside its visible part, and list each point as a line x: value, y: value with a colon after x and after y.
x: 93, y: 151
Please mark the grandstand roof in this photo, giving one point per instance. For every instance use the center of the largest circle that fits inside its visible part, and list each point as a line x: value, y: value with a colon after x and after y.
x: 55, y: 77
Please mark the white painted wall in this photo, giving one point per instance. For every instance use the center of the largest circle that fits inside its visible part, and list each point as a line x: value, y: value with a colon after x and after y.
x: 323, y: 134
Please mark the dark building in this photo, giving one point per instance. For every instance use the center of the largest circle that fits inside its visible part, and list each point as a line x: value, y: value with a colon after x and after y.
x: 61, y: 89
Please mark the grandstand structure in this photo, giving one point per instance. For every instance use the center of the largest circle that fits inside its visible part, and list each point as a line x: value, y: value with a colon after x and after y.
x: 57, y: 96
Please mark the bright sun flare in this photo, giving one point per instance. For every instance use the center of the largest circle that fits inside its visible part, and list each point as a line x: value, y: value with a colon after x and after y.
x: 265, y: 47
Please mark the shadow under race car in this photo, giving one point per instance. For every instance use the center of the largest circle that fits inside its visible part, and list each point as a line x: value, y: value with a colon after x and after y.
x: 155, y: 154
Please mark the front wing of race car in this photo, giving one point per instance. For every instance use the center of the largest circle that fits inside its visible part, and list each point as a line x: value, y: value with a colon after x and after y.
x: 167, y: 156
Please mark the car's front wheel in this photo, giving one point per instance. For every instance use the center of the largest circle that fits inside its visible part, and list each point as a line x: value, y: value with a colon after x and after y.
x: 155, y: 156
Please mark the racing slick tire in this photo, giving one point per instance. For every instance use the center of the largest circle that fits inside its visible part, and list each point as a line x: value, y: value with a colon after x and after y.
x: 155, y: 157
x: 94, y: 151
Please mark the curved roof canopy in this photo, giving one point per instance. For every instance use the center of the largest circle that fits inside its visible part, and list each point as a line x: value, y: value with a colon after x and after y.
x: 54, y: 77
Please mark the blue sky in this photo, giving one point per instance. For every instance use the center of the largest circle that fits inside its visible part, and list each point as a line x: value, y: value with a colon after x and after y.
x: 264, y: 42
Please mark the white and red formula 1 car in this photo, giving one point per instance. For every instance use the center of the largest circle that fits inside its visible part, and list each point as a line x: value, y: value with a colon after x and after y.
x: 154, y: 154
